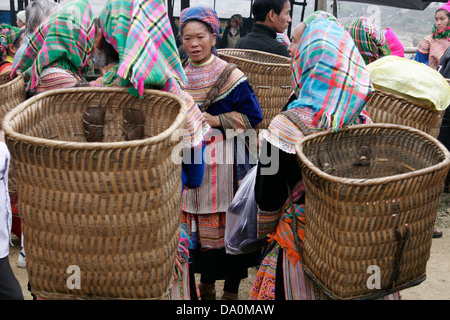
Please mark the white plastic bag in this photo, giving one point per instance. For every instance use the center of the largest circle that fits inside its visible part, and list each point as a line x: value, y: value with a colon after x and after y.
x: 241, y: 218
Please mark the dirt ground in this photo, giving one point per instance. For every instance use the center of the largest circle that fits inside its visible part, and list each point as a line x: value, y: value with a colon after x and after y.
x: 435, y: 287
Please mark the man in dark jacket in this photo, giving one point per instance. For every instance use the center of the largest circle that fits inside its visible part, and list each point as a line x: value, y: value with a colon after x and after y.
x: 272, y: 17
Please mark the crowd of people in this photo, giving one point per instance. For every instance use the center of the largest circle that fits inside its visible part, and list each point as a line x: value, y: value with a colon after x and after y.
x: 131, y: 44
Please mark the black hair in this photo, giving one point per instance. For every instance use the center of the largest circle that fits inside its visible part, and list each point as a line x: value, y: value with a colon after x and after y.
x: 261, y: 8
x: 446, y: 12
x: 16, y: 42
x: 108, y: 49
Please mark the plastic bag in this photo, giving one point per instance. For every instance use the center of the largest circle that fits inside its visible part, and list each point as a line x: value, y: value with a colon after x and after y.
x: 241, y: 219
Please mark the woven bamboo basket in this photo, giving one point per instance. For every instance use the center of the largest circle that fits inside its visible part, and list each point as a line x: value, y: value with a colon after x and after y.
x: 386, y: 107
x: 12, y: 93
x: 370, y: 219
x: 109, y: 210
x: 269, y: 75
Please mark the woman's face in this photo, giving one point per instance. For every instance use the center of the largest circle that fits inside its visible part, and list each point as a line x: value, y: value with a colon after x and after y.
x: 295, y: 41
x: 233, y: 23
x: 198, y: 41
x: 441, y: 20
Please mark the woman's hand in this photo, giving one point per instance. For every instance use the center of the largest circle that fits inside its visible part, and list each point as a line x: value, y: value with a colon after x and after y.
x: 213, y: 121
x: 2, y: 136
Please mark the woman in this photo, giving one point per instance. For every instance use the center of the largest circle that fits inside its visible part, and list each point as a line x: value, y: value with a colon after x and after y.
x: 369, y: 39
x: 433, y: 46
x: 234, y: 107
x: 10, y: 40
x: 59, y: 50
x: 337, y: 99
x: 233, y: 32
x: 114, y: 48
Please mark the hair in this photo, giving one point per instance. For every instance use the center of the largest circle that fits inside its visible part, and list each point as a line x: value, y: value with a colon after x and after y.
x: 17, y: 40
x: 261, y: 8
x: 446, y: 12
x: 37, y: 11
x: 105, y: 46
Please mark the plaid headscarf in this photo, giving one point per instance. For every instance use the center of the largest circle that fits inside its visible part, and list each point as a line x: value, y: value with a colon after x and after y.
x: 8, y: 34
x: 369, y: 39
x: 141, y: 33
x: 330, y: 76
x: 203, y: 14
x: 65, y: 40
x: 319, y: 14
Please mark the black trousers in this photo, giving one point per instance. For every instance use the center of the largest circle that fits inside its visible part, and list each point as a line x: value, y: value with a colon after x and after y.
x: 9, y: 286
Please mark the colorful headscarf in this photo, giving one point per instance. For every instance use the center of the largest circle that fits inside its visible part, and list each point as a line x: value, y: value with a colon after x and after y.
x: 204, y: 14
x: 330, y: 76
x: 65, y: 40
x: 141, y: 33
x: 8, y: 34
x: 319, y: 14
x: 369, y: 39
x: 238, y: 19
x: 330, y: 81
x: 444, y: 34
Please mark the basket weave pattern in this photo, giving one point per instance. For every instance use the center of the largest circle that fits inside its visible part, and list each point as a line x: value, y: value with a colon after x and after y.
x: 111, y: 208
x: 378, y: 214
x: 269, y: 75
x: 12, y: 92
x: 386, y: 107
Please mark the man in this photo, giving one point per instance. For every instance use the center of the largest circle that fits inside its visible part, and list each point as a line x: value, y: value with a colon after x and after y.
x: 272, y: 17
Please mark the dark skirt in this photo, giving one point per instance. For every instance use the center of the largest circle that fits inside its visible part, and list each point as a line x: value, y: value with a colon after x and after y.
x: 216, y: 264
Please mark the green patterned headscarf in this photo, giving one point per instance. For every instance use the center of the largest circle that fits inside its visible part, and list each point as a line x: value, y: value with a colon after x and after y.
x: 64, y: 40
x: 319, y: 14
x: 8, y: 34
x: 141, y: 33
x: 369, y: 39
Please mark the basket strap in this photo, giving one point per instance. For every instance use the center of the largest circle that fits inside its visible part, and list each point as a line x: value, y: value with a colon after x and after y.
x: 401, y: 237
x: 306, y: 131
x: 215, y: 89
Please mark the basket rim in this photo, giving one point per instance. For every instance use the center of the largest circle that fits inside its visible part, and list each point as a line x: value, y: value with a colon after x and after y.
x: 406, y: 99
x: 224, y: 53
x: 375, y: 181
x: 181, y: 117
x: 18, y: 78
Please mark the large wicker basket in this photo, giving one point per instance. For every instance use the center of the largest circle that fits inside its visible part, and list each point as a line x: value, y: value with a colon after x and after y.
x: 269, y: 75
x: 372, y: 215
x: 109, y: 210
x: 12, y: 92
x: 387, y: 107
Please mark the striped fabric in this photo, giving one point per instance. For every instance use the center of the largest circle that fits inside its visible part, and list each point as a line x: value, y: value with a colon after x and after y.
x: 8, y: 34
x: 64, y: 40
x: 434, y: 48
x: 56, y: 78
x: 283, y: 38
x: 370, y: 39
x: 115, y: 23
x: 203, y: 77
x: 141, y: 33
x: 320, y: 14
x: 330, y: 76
x: 263, y: 287
x: 205, y: 14
x: 331, y: 83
